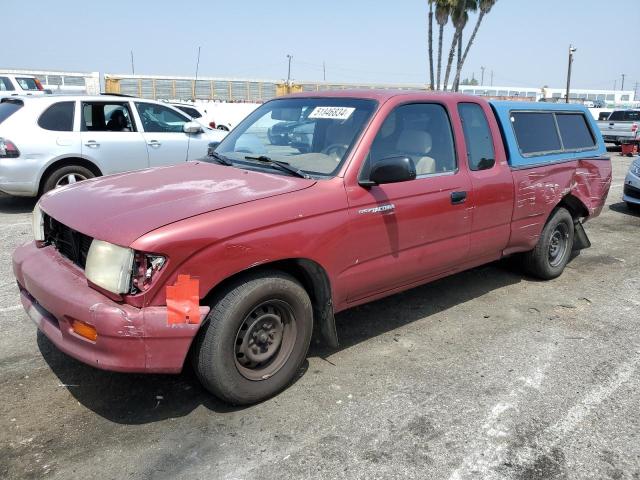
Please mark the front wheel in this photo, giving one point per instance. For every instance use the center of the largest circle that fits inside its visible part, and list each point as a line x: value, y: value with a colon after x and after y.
x: 551, y: 254
x: 255, y: 338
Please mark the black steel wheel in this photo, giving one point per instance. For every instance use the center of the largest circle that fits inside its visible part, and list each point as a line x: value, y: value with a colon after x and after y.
x: 265, y: 340
x: 553, y: 250
x: 255, y: 337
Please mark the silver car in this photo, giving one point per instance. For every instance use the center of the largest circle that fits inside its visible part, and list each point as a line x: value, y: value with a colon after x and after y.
x: 51, y: 140
x: 631, y: 187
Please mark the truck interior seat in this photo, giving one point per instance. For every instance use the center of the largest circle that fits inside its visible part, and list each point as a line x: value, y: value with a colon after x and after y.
x: 417, y: 144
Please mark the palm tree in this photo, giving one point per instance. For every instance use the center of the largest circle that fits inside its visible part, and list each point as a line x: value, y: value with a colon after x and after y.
x: 443, y: 9
x: 431, y: 83
x: 459, y: 18
x: 485, y: 7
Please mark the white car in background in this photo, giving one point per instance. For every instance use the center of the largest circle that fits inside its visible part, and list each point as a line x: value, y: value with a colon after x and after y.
x: 12, y: 85
x: 220, y: 115
x: 50, y: 141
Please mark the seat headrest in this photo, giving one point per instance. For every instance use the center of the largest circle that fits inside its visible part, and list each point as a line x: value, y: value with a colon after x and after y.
x: 415, y: 142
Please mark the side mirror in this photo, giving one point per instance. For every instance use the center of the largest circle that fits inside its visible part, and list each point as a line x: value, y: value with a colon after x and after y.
x: 192, y: 127
x: 211, y: 148
x: 391, y: 170
x: 486, y: 163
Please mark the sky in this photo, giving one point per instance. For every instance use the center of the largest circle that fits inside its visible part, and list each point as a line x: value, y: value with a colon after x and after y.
x: 523, y: 43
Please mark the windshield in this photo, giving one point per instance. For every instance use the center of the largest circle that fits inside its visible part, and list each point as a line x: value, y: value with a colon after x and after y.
x: 313, y: 135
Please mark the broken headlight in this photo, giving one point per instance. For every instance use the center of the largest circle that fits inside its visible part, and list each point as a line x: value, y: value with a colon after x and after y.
x: 145, y: 267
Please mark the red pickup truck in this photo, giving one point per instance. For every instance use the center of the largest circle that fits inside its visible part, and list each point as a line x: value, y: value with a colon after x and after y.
x: 237, y: 259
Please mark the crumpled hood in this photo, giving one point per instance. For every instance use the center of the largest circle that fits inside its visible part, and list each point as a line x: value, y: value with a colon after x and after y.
x: 121, y: 208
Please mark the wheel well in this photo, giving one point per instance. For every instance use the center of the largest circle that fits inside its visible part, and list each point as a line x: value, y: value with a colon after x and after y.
x: 66, y: 162
x: 315, y: 281
x: 575, y: 206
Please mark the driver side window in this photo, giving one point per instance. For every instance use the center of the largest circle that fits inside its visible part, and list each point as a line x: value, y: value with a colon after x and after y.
x: 420, y: 131
x: 158, y: 118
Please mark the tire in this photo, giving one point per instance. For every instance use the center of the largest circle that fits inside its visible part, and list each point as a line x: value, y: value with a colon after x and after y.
x: 255, y: 338
x: 224, y: 128
x: 553, y: 250
x: 62, y: 176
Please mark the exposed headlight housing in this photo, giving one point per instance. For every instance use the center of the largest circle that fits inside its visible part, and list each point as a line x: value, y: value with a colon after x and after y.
x: 635, y: 168
x: 145, y: 267
x: 37, y: 220
x: 109, y: 266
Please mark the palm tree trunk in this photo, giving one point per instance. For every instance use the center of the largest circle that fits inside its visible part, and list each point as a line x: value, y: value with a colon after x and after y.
x: 452, y: 52
x: 456, y: 80
x: 440, y: 56
x: 431, y: 84
x: 466, y: 50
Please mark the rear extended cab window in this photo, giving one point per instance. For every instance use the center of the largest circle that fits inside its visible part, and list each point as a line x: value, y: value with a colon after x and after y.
x: 539, y: 133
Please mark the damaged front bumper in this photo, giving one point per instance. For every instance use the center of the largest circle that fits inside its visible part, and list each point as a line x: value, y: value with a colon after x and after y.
x: 54, y: 293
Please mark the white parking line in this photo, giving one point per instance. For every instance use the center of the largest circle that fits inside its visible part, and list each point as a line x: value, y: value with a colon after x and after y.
x: 487, y: 460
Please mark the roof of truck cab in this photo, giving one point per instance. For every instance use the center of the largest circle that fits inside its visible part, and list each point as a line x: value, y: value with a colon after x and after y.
x: 380, y: 95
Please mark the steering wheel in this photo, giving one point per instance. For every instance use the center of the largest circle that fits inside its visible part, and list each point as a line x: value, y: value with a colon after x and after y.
x: 336, y: 150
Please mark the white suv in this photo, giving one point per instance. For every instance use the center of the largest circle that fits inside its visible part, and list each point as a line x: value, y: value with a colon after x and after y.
x: 11, y: 85
x: 50, y: 141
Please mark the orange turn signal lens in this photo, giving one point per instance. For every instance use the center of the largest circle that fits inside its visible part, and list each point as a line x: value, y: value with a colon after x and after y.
x: 84, y: 330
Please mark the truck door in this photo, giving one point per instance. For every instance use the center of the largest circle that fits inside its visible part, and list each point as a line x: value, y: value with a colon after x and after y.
x: 491, y: 181
x: 405, y: 233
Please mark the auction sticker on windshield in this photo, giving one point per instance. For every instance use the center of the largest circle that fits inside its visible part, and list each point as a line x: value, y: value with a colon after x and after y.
x: 332, y: 113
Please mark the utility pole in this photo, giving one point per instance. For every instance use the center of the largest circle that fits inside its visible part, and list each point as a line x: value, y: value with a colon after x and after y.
x: 324, y: 71
x: 635, y: 91
x: 622, y: 87
x: 615, y: 83
x: 133, y: 68
x: 492, y: 78
x: 572, y: 50
x: 289, y: 70
x: 195, y: 83
x: 482, y: 76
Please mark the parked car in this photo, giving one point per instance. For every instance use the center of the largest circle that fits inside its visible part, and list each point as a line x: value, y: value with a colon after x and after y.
x: 50, y: 141
x: 12, y: 85
x: 631, y: 189
x: 239, y: 259
x: 603, y: 115
x: 194, y: 111
x: 621, y: 126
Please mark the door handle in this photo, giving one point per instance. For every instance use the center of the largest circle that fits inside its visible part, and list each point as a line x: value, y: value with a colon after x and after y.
x: 154, y: 143
x: 92, y: 144
x: 458, y: 197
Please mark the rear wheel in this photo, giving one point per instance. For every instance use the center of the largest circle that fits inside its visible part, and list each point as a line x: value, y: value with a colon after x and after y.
x: 66, y: 175
x: 551, y: 254
x: 223, y: 128
x: 255, y: 338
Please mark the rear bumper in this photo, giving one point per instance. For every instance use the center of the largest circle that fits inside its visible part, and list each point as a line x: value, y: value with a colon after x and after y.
x: 19, y: 176
x: 54, y: 292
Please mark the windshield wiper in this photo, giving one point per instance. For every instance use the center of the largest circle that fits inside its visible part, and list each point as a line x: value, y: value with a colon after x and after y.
x: 220, y: 159
x: 284, y: 166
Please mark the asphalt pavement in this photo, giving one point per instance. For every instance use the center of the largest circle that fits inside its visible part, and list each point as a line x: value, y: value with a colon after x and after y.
x: 487, y: 374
